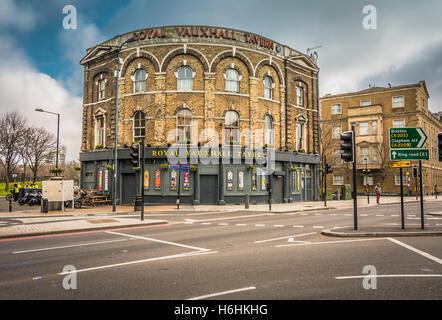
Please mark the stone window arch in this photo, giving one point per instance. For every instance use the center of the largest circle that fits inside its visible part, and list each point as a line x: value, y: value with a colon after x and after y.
x: 268, y: 130
x: 269, y: 84
x: 231, y: 128
x: 185, y: 77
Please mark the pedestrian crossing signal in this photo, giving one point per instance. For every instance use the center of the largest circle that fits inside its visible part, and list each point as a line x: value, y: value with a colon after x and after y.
x: 347, y: 147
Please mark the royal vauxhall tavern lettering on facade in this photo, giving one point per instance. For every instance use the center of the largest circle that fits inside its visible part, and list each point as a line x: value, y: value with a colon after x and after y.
x: 241, y: 107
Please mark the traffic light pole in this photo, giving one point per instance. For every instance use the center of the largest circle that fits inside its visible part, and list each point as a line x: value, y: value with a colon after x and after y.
x: 142, y: 177
x: 402, y: 200
x: 325, y: 181
x: 355, y: 189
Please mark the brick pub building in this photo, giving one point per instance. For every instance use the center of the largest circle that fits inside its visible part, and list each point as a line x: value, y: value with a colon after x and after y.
x: 192, y: 80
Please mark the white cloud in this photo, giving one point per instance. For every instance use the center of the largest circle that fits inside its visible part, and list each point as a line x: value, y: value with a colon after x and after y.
x: 14, y: 15
x: 23, y: 88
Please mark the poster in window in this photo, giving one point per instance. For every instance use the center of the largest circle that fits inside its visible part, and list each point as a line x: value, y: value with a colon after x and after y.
x: 146, y: 179
x: 186, y: 184
x: 100, y: 180
x: 106, y: 180
x: 263, y: 182
x: 254, y: 180
x: 173, y: 180
x: 240, y: 180
x: 230, y: 180
x: 157, y: 180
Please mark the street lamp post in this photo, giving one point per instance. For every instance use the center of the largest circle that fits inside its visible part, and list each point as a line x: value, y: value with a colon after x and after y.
x: 58, y: 135
x: 114, y: 198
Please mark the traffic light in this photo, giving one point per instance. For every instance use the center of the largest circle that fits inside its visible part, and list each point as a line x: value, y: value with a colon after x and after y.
x: 135, y: 155
x: 439, y: 145
x: 347, y: 147
x: 328, y: 168
x: 415, y: 172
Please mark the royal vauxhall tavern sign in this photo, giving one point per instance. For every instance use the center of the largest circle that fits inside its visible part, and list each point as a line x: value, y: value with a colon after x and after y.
x: 406, y: 144
x: 207, y: 32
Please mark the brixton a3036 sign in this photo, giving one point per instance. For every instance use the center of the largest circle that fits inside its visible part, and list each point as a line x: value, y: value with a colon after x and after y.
x: 407, y: 138
x: 407, y: 143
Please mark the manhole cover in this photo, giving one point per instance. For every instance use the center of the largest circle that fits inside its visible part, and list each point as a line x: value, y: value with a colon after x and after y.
x: 102, y: 220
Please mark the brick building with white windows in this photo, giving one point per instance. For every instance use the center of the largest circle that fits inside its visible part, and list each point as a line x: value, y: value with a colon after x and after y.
x: 179, y: 82
x: 374, y: 111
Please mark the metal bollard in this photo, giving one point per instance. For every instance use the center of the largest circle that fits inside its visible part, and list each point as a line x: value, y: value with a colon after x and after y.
x: 247, y: 202
x: 10, y: 205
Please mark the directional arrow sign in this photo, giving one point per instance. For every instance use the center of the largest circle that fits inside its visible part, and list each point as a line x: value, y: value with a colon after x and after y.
x: 407, y: 138
x: 408, y: 155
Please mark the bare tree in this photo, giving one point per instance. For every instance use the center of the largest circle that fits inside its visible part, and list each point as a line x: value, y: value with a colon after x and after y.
x: 382, y: 149
x: 12, y: 134
x: 39, y: 146
x: 325, y: 138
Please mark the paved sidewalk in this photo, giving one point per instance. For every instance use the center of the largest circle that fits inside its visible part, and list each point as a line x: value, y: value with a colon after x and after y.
x: 27, y: 227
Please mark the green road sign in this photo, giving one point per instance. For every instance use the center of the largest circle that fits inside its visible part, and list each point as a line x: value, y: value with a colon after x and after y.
x: 408, y: 155
x: 407, y: 138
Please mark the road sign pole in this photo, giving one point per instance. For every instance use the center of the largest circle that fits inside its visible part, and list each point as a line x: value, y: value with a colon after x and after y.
x: 325, y: 181
x: 402, y: 201
x: 355, y: 189
x: 422, y: 194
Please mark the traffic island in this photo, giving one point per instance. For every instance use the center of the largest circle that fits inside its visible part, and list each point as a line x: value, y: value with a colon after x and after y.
x: 371, y: 232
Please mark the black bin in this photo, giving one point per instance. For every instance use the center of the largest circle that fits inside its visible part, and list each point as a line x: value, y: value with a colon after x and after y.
x: 137, y: 203
x: 44, y: 205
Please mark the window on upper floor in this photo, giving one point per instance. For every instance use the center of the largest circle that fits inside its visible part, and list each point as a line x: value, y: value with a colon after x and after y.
x: 139, y: 125
x: 184, y: 125
x: 374, y: 127
x: 336, y: 108
x: 398, y: 123
x: 364, y: 155
x: 338, y: 180
x: 268, y: 127
x: 140, y: 80
x: 232, y: 128
x: 232, y: 80
x: 365, y: 103
x: 268, y: 87
x: 398, y: 102
x: 299, y: 96
x: 185, y: 78
x: 337, y: 132
x: 363, y: 128
x: 101, y: 89
x: 100, y: 130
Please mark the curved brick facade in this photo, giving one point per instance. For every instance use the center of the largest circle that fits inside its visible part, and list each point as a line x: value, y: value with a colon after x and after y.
x: 209, y: 52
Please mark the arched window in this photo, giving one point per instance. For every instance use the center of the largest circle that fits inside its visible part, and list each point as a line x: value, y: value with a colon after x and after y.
x: 184, y: 125
x: 140, y: 80
x: 185, y: 75
x: 268, y: 130
x: 268, y: 87
x: 232, y: 128
x: 139, y: 125
x: 232, y: 80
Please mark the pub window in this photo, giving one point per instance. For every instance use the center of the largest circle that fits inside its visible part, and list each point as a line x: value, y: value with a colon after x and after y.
x: 173, y: 180
x: 139, y: 125
x: 185, y: 81
x: 254, y: 181
x: 240, y: 180
x: 157, y: 179
x: 268, y: 87
x: 140, y: 80
x: 232, y: 127
x: 230, y: 180
x: 232, y: 80
x: 101, y: 89
x: 184, y: 125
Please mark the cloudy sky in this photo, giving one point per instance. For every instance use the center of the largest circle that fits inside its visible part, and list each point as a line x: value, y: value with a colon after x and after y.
x: 39, y: 59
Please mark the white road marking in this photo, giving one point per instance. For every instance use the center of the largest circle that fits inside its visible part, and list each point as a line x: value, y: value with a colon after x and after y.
x: 364, y: 215
x: 329, y: 242
x: 223, y: 224
x: 278, y: 225
x: 298, y: 226
x: 222, y: 293
x: 160, y: 241
x: 422, y: 253
x: 395, y: 215
x: 188, y: 254
x: 260, y: 225
x: 70, y: 246
x: 318, y: 227
x: 293, y: 236
x: 241, y: 224
x: 237, y: 217
x: 390, y: 276
x: 206, y: 223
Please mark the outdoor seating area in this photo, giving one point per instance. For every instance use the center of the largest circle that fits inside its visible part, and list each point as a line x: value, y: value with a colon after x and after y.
x: 93, y: 198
